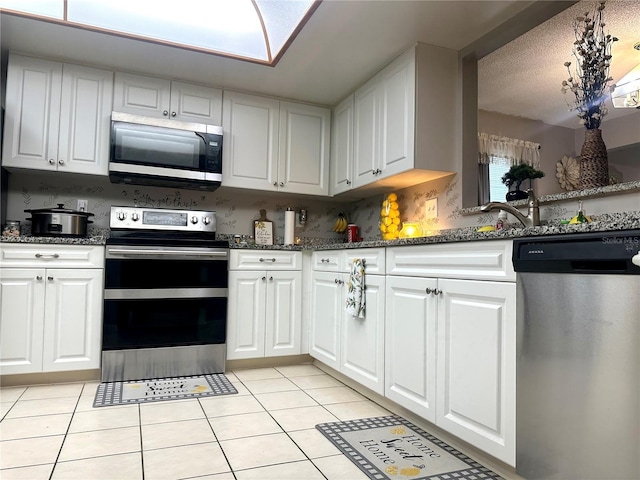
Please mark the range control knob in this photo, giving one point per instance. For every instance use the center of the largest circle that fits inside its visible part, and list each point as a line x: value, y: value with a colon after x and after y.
x: 194, y: 220
x: 122, y: 216
x: 135, y: 217
x: 206, y: 220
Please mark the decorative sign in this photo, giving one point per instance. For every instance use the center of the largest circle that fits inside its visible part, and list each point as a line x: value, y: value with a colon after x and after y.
x: 263, y: 230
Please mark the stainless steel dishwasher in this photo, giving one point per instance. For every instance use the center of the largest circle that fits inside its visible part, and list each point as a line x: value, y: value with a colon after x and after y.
x: 578, y: 356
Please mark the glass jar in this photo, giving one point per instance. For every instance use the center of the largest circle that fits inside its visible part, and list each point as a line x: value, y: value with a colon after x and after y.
x: 11, y: 228
x: 390, y: 224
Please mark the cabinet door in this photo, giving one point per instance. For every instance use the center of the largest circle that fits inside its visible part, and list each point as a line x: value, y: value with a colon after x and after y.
x: 476, y: 364
x: 195, y: 103
x: 32, y: 113
x: 246, y: 314
x: 141, y: 95
x: 366, y: 148
x: 363, y: 338
x: 283, y: 313
x: 85, y: 113
x: 326, y: 311
x: 341, y: 176
x: 397, y: 116
x: 21, y: 320
x: 410, y: 346
x: 73, y: 319
x: 303, y: 165
x: 250, y: 150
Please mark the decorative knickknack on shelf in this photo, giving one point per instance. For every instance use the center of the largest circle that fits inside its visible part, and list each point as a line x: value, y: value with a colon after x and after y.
x: 514, y: 178
x: 594, y: 164
x: 588, y: 83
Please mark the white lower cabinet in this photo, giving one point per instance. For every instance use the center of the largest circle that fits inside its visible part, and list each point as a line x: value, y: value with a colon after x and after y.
x: 476, y: 355
x: 265, y: 306
x: 50, y: 318
x: 410, y: 344
x: 351, y: 345
x: 451, y: 342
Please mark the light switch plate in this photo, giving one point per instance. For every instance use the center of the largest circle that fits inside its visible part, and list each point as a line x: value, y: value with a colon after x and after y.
x: 431, y: 208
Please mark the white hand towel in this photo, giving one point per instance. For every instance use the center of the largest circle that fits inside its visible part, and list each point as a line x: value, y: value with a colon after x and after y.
x: 355, y: 302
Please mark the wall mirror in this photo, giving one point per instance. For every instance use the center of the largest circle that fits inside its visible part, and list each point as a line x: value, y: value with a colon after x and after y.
x: 519, y: 90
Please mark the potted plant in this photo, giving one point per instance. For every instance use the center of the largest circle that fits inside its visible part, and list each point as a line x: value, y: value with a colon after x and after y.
x: 515, y: 176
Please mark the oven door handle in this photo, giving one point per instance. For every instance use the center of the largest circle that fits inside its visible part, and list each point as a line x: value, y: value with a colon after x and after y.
x: 130, y: 252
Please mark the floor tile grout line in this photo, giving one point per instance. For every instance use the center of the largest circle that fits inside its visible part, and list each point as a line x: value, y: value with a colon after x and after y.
x: 226, y: 459
x: 141, y: 440
x: 64, y: 439
x: 285, y: 431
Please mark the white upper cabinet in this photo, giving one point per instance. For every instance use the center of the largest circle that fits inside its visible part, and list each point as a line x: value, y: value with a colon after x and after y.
x: 57, y: 116
x: 162, y: 98
x: 250, y: 141
x: 303, y: 160
x: 403, y: 123
x: 275, y: 146
x: 341, y: 170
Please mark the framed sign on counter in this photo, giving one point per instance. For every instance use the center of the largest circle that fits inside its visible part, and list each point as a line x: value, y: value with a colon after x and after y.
x: 263, y: 230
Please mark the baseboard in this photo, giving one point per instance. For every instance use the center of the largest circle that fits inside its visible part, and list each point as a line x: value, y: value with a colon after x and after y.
x: 268, y: 362
x: 28, y: 379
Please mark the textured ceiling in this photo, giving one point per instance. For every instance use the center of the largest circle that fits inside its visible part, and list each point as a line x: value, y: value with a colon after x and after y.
x: 524, y: 77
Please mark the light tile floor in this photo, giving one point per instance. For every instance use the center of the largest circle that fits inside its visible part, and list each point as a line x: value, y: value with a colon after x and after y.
x: 265, y: 432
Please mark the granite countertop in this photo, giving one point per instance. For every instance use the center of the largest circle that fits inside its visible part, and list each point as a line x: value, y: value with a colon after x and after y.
x: 603, y: 223
x: 94, y: 240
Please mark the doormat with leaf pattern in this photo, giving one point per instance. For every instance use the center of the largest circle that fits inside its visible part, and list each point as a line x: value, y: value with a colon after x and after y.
x: 392, y: 448
x: 155, y: 390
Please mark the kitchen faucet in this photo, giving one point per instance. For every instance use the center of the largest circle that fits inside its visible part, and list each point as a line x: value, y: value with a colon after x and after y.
x: 531, y: 220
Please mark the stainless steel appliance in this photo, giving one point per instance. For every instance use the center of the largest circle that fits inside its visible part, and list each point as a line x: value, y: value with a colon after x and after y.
x: 578, y: 360
x: 59, y: 222
x: 165, y: 152
x: 165, y: 299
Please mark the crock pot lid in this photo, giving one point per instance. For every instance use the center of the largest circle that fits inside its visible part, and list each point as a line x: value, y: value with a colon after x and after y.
x: 60, y: 209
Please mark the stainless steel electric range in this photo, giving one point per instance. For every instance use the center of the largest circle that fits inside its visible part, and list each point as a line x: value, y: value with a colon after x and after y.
x: 165, y: 299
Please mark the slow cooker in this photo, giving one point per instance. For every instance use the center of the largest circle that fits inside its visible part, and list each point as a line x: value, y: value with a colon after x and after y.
x: 59, y: 222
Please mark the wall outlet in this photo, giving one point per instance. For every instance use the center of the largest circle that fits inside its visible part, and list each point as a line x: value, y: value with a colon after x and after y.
x: 431, y: 208
x: 82, y: 205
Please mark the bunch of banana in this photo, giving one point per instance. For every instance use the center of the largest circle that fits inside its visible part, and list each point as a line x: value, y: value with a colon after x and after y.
x: 340, y: 225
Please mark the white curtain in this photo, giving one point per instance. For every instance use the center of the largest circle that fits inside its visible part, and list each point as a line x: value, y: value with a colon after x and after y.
x: 515, y: 151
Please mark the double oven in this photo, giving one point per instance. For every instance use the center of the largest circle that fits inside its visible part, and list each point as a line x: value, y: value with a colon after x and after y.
x: 165, y: 299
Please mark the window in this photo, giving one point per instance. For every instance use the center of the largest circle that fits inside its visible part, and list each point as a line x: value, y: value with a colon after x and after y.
x: 498, y: 190
x: 255, y: 30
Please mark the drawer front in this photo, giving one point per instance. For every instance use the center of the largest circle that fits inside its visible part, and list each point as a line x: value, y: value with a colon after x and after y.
x: 486, y: 260
x: 29, y: 255
x: 373, y: 259
x: 264, y: 260
x: 327, y: 261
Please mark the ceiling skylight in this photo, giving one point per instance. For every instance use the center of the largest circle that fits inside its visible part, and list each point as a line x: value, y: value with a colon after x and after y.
x: 255, y: 30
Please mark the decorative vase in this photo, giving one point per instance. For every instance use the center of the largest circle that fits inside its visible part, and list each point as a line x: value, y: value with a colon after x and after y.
x: 516, y: 195
x: 594, y: 164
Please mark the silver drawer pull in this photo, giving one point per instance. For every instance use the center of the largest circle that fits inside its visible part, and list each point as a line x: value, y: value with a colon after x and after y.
x: 50, y: 279
x: 47, y: 255
x: 325, y: 260
x: 272, y: 260
x: 39, y: 278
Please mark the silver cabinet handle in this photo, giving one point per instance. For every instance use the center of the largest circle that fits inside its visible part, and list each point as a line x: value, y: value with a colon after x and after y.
x: 173, y: 114
x: 429, y: 291
x: 272, y: 260
x: 50, y: 279
x: 60, y: 162
x: 39, y: 278
x: 271, y: 279
x: 275, y: 184
x: 263, y: 278
x: 165, y: 113
x: 436, y: 291
x: 52, y: 161
x: 47, y: 255
x: 348, y: 182
x: 282, y: 184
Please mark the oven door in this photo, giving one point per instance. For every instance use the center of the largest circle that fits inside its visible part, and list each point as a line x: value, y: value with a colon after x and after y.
x: 164, y: 297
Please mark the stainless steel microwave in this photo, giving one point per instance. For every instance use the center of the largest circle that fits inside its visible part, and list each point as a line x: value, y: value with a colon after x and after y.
x: 165, y: 152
